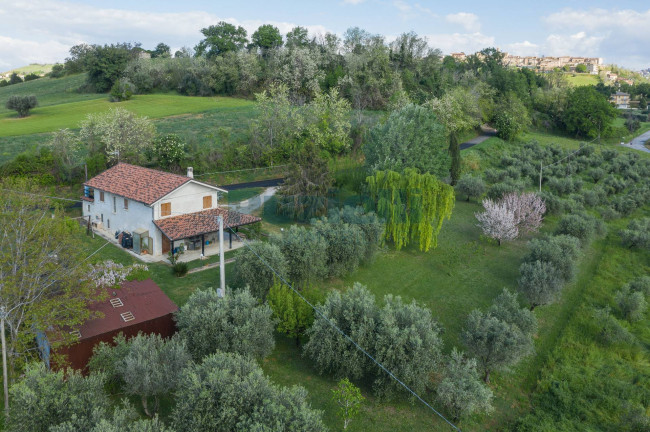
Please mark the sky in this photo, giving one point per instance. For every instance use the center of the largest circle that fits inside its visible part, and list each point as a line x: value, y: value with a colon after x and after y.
x: 42, y: 31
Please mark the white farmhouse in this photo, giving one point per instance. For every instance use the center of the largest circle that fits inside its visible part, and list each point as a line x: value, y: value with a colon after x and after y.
x: 161, y: 210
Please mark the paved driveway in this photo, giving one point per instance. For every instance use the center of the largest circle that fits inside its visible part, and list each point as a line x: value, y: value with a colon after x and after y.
x: 637, y: 143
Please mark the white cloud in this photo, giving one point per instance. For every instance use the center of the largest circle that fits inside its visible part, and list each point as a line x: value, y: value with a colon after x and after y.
x: 620, y: 36
x: 456, y: 42
x: 402, y: 5
x: 469, y: 21
x: 426, y: 10
x: 43, y: 27
x: 354, y: 2
x: 524, y: 48
x: 29, y: 52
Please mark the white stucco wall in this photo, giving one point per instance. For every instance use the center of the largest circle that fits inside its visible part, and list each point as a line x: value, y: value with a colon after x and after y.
x: 186, y: 199
x: 138, y: 215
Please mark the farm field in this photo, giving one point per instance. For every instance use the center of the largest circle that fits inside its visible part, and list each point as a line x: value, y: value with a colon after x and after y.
x: 581, y: 79
x: 49, y: 91
x: 34, y: 67
x: 68, y: 115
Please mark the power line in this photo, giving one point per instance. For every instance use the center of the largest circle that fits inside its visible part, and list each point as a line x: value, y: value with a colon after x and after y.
x: 335, y: 327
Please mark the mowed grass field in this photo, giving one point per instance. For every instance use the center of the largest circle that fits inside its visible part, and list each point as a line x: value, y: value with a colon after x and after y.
x: 583, y: 79
x: 69, y: 115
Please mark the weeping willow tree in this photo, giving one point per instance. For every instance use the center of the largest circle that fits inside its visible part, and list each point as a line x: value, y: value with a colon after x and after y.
x: 414, y: 206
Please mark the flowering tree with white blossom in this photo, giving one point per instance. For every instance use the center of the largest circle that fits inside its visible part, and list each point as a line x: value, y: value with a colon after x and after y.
x: 514, y: 213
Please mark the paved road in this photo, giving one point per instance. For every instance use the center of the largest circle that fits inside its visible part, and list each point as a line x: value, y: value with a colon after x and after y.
x: 637, y: 143
x: 253, y: 203
x: 486, y: 132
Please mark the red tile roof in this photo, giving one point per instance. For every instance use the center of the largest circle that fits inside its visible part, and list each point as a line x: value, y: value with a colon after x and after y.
x: 202, y: 222
x: 144, y: 299
x: 145, y: 185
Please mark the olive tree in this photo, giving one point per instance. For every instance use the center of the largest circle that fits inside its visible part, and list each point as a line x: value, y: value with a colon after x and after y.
x: 472, y: 186
x: 631, y: 303
x: 43, y: 398
x: 229, y: 392
x: 305, y: 251
x: 495, y: 343
x: 539, y: 283
x: 507, y: 309
x: 21, y: 104
x: 236, y: 323
x: 250, y: 271
x: 461, y: 390
x: 346, y: 245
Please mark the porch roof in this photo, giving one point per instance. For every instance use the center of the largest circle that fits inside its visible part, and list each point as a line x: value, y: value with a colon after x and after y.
x: 202, y: 222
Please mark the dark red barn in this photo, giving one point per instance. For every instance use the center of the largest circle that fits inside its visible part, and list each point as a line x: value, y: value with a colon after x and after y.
x: 138, y: 306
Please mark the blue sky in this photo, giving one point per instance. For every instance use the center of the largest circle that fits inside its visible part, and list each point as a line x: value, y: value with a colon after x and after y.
x: 43, y: 30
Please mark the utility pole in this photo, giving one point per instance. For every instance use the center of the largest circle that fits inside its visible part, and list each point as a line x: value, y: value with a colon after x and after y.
x: 5, y: 379
x: 222, y: 264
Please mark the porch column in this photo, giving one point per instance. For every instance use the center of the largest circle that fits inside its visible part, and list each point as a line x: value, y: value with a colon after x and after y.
x: 230, y: 239
x: 203, y: 244
x: 172, y: 247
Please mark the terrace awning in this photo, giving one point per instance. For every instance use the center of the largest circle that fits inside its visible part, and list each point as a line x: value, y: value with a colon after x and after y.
x: 202, y: 222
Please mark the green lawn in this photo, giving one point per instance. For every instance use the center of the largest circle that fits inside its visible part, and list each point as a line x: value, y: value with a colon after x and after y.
x: 34, y: 67
x: 49, y: 91
x: 69, y: 115
x: 576, y: 79
x: 239, y: 195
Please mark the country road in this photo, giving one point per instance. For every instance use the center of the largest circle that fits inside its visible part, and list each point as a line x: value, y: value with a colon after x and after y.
x: 637, y: 143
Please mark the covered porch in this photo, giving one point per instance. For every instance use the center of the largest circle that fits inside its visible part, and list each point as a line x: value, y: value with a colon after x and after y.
x: 198, y: 233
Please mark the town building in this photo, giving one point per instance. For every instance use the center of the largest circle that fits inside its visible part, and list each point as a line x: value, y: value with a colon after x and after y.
x: 160, y: 210
x: 620, y: 100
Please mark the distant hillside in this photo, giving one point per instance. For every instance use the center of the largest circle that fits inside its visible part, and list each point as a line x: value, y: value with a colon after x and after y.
x: 49, y: 91
x: 39, y: 69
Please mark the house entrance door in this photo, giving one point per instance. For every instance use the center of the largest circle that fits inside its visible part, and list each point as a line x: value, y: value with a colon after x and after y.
x: 166, y: 245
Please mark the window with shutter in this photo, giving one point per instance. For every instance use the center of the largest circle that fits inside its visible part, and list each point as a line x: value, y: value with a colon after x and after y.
x: 101, y: 196
x: 207, y: 202
x: 126, y: 204
x: 165, y: 209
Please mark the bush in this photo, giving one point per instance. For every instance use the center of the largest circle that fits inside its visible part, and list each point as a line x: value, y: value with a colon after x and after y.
x: 180, y: 269
x: 32, y: 76
x: 498, y: 190
x: 21, y: 104
x: 236, y: 323
x: 597, y: 174
x: 472, y: 186
x: 369, y: 223
x: 122, y: 90
x: 611, y: 331
x: 631, y: 303
x: 641, y: 285
x: 251, y: 272
x: 637, y: 234
x: 58, y: 70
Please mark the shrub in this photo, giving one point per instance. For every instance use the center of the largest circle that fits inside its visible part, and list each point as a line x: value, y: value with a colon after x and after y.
x: 122, y: 90
x: 21, y: 104
x: 554, y: 204
x: 611, y: 331
x: 498, y: 190
x: 369, y: 223
x: 641, y: 285
x: 631, y: 303
x: 236, y: 323
x: 32, y: 76
x: 637, y: 234
x: 472, y: 186
x: 597, y: 174
x: 494, y: 176
x: 180, y: 269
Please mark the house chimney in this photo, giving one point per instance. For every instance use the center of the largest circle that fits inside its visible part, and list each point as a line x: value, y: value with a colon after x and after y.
x: 190, y: 172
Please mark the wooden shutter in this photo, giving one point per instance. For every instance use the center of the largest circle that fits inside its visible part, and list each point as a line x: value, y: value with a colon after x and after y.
x: 101, y: 196
x: 126, y: 204
x: 207, y: 202
x: 165, y: 209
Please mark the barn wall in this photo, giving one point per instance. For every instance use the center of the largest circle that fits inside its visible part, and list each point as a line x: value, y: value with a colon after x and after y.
x: 80, y: 353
